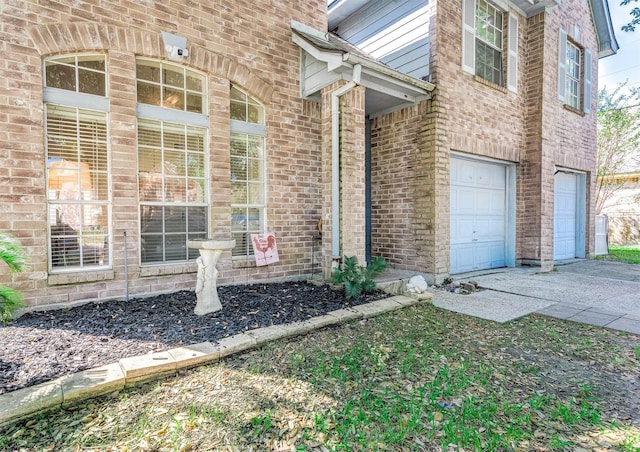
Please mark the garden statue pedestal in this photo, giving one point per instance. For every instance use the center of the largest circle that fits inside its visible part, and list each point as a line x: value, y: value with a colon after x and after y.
x: 206, y: 290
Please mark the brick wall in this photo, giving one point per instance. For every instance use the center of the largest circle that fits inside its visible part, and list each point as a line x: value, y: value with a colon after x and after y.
x: 249, y: 44
x: 241, y: 42
x: 531, y: 129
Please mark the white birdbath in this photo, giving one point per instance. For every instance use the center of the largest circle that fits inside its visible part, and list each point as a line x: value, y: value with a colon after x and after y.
x: 206, y: 290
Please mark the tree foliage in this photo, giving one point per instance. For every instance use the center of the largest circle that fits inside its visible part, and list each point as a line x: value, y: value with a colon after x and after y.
x: 618, y: 138
x: 635, y: 16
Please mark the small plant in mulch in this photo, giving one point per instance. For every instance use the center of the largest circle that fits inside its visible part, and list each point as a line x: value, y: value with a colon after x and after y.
x: 358, y: 279
x: 11, y: 253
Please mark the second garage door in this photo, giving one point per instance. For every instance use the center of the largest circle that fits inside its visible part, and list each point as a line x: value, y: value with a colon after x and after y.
x: 565, y: 215
x: 478, y: 215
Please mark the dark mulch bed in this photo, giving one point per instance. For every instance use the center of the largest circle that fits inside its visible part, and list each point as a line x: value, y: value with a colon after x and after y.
x: 41, y: 346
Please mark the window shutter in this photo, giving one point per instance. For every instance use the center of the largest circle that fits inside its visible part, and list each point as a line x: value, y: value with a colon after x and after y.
x: 468, y: 36
x: 587, y: 82
x: 512, y: 62
x: 562, y: 65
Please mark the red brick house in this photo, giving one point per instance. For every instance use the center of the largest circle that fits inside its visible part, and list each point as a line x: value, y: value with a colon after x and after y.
x: 445, y: 136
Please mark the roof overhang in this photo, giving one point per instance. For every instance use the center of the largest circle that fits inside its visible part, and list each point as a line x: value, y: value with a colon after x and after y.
x: 607, y: 43
x: 529, y: 8
x: 327, y: 59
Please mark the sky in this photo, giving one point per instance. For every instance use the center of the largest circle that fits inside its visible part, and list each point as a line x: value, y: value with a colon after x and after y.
x: 625, y: 65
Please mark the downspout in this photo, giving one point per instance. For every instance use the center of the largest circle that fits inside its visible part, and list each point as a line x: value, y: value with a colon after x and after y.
x: 335, y: 161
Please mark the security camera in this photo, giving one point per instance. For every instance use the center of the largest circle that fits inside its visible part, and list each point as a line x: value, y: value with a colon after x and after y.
x: 176, y: 53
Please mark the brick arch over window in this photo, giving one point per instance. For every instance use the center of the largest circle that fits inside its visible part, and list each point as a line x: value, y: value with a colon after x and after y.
x: 53, y: 39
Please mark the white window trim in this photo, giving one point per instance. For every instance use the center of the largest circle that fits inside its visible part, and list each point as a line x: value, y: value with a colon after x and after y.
x: 512, y: 53
x: 248, y: 128
x: 72, y: 99
x: 145, y: 111
x: 469, y: 36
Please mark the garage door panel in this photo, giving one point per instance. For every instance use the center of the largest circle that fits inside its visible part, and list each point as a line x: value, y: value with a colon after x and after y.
x: 498, y: 255
x: 483, y: 255
x: 478, y: 215
x: 489, y: 229
x: 466, y: 173
x: 484, y: 176
x: 466, y: 202
x: 490, y: 254
x: 463, y: 230
x: 497, y: 206
x: 565, y: 215
x: 463, y: 257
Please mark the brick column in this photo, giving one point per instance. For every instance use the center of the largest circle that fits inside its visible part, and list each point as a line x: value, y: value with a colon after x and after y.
x: 352, y: 176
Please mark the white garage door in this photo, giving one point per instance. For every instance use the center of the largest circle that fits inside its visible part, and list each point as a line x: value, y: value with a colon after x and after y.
x: 478, y: 215
x: 565, y: 202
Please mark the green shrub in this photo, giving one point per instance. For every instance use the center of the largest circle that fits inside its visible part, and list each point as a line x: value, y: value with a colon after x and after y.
x: 11, y: 253
x: 358, y: 279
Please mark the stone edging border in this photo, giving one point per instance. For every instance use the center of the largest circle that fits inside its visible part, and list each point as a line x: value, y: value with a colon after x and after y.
x: 71, y: 389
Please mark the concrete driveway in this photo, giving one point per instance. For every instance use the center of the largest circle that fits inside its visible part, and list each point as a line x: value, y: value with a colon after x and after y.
x: 594, y: 292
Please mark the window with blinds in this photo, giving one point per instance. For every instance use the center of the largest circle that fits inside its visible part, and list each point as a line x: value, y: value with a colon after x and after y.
x: 172, y: 162
x: 248, y: 186
x: 77, y: 162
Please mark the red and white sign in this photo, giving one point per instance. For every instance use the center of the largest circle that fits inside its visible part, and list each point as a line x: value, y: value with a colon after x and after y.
x: 264, y: 248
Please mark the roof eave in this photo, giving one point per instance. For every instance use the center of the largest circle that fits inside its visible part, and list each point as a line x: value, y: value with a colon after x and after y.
x: 337, y: 59
x: 607, y: 43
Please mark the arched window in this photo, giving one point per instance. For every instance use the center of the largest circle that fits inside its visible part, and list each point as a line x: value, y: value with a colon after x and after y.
x: 248, y: 173
x: 172, y: 160
x: 75, y: 90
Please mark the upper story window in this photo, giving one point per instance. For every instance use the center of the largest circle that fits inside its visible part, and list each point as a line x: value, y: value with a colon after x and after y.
x: 489, y: 40
x: 172, y: 161
x: 574, y: 74
x: 77, y: 162
x: 248, y: 180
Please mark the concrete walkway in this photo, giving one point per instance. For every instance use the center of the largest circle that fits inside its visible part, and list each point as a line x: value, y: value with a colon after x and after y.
x: 594, y: 292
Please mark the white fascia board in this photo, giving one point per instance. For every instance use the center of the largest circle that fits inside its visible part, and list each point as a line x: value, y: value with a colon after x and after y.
x: 375, y: 70
x: 303, y: 28
x: 383, y: 70
x: 333, y: 59
x: 392, y: 88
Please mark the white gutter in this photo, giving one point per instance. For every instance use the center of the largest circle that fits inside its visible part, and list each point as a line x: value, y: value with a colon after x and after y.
x: 335, y: 159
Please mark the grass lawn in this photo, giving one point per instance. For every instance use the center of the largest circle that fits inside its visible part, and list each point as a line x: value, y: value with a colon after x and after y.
x: 629, y: 254
x: 417, y: 379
